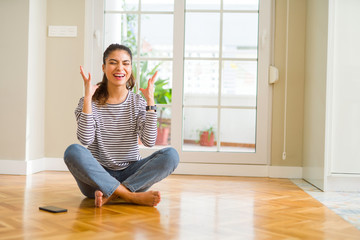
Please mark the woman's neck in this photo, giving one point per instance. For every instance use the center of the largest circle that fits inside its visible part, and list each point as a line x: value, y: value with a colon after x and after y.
x: 117, y: 95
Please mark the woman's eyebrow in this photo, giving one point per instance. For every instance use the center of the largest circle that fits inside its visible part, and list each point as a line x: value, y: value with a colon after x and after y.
x: 112, y: 59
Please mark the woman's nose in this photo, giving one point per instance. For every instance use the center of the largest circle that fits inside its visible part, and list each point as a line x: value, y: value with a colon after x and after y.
x: 119, y: 66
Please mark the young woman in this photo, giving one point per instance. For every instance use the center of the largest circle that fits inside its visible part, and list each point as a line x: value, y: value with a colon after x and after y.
x: 110, y: 118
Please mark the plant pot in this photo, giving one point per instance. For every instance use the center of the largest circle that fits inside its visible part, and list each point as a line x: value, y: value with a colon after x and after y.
x: 206, y: 140
x: 162, y: 136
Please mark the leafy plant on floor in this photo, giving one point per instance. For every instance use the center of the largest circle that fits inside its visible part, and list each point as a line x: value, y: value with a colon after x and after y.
x: 163, y: 94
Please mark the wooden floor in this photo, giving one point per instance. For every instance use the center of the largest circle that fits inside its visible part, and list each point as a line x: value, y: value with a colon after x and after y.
x: 192, y: 207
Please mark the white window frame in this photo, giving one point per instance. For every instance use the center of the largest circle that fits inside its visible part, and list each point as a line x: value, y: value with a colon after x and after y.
x: 94, y: 10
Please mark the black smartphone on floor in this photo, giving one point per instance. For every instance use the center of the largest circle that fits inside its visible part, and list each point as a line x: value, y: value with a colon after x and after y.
x: 53, y: 209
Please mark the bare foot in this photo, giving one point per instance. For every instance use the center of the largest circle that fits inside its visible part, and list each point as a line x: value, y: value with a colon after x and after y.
x: 150, y: 198
x: 100, y: 199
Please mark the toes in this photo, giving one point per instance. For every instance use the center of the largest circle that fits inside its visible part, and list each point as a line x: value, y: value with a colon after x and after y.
x: 156, y: 196
x: 98, y: 198
x: 98, y: 193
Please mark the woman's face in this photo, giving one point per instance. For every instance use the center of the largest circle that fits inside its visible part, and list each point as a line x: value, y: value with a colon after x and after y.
x: 118, y: 68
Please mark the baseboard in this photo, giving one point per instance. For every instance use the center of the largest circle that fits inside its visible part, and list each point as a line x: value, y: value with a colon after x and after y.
x: 239, y: 170
x: 285, y: 172
x: 222, y: 169
x: 13, y: 167
x: 343, y: 183
x: 19, y: 167
x: 57, y: 164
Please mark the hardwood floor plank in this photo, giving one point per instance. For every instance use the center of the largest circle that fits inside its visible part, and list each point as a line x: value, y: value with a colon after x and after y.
x: 192, y: 207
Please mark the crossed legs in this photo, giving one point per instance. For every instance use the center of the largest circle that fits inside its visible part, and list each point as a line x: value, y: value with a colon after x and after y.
x: 129, y: 184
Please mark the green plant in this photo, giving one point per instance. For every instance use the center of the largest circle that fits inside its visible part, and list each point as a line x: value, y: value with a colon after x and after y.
x: 162, y: 94
x: 210, y: 131
x: 207, y: 137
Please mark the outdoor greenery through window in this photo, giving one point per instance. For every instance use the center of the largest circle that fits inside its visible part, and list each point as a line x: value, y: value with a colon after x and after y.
x: 146, y: 27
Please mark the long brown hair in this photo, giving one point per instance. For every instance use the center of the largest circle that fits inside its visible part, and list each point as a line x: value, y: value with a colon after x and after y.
x: 101, y: 94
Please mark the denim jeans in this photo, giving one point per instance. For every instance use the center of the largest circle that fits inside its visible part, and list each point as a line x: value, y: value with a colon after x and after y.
x: 137, y: 177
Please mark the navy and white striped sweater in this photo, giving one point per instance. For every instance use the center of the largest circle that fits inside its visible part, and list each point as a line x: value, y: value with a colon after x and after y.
x: 111, y: 131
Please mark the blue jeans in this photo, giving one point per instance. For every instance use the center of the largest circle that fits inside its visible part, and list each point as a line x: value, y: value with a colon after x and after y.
x: 137, y: 177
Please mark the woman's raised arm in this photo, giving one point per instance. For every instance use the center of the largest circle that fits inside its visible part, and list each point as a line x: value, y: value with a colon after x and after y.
x: 89, y: 91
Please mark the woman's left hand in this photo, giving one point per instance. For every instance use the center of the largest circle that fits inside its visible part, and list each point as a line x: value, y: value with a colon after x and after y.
x: 149, y: 91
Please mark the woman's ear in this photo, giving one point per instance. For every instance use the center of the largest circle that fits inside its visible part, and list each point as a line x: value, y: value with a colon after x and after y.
x: 103, y: 68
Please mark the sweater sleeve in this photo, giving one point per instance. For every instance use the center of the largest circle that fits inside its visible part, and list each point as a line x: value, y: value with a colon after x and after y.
x: 147, y: 125
x: 85, y: 125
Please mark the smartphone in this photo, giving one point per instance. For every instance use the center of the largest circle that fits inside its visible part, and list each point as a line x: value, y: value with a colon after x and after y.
x: 53, y: 209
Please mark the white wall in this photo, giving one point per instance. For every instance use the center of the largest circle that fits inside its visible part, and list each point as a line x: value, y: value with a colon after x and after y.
x: 35, y: 131
x: 14, y: 18
x: 22, y: 63
x: 331, y: 153
x: 28, y: 59
x: 64, y: 85
x: 344, y: 107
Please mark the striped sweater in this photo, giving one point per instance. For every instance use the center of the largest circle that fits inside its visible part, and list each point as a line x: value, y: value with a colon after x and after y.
x: 111, y: 131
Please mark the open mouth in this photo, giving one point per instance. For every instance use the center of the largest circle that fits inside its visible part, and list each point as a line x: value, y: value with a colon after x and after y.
x: 119, y: 75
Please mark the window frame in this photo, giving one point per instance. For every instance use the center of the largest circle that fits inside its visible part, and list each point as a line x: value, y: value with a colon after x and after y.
x: 94, y: 22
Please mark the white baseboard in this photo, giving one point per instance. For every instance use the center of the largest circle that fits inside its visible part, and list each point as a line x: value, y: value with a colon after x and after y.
x: 14, y: 167
x: 239, y: 170
x: 18, y: 167
x: 343, y: 183
x: 57, y: 164
x: 222, y: 169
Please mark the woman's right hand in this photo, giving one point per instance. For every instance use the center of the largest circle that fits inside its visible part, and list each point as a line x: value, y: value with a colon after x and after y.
x: 89, y: 89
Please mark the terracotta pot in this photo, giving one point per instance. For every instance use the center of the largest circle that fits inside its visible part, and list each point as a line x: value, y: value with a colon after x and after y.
x: 205, y: 140
x: 162, y: 136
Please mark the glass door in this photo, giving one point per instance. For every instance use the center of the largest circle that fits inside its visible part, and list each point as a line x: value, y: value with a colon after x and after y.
x: 225, y: 88
x: 212, y: 57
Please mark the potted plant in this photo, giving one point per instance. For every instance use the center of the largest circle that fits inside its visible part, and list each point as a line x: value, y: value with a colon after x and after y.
x: 163, y: 132
x: 207, y: 137
x: 162, y: 95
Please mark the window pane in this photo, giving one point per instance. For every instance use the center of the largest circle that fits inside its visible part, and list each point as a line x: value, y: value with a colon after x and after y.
x: 201, y: 79
x: 116, y: 5
x: 159, y: 5
x: 202, y: 34
x: 240, y: 38
x: 241, y: 4
x: 203, y: 4
x: 200, y: 129
x: 121, y: 28
x: 238, y: 128
x: 163, y: 127
x: 157, y: 35
x: 163, y: 82
x: 239, y: 83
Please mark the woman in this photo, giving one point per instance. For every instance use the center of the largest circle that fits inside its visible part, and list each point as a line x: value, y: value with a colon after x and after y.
x: 110, y: 118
